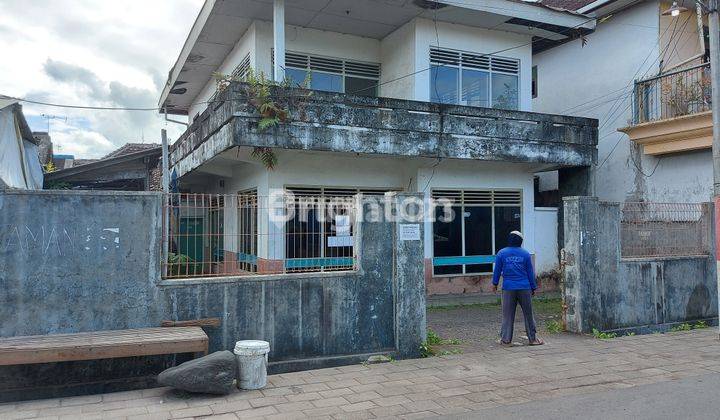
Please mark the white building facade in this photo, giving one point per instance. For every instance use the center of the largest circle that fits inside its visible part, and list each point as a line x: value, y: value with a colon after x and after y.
x: 476, y: 54
x: 664, y: 157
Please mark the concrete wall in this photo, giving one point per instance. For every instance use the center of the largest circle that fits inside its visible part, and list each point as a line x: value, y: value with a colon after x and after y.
x: 597, y: 80
x: 606, y: 292
x: 87, y: 261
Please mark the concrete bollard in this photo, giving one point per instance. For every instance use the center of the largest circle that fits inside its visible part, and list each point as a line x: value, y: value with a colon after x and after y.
x: 252, y: 359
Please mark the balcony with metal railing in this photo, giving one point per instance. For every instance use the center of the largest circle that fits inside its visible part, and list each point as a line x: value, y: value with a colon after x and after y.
x: 672, y: 111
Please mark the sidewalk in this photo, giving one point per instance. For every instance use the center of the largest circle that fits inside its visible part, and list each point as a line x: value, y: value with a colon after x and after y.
x: 421, y: 388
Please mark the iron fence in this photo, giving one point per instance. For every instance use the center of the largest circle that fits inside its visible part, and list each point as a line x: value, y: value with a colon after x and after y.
x: 665, y: 229
x: 673, y: 94
x: 211, y: 235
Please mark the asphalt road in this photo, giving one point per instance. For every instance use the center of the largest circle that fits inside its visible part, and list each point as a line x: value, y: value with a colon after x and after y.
x: 688, y: 399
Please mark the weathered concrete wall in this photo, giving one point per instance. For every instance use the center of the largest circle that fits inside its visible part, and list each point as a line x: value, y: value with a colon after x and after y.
x: 606, y: 292
x: 381, y: 126
x: 85, y: 261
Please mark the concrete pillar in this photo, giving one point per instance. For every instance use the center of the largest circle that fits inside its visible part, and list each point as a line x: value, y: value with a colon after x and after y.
x: 574, y: 182
x: 410, y: 318
x: 279, y: 40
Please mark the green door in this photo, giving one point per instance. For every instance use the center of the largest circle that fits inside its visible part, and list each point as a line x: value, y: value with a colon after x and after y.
x: 191, y: 238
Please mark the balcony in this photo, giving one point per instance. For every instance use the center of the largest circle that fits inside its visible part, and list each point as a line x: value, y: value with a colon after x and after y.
x: 336, y: 122
x: 672, y: 112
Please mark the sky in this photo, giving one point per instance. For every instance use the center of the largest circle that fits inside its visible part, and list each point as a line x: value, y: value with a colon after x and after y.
x: 93, y: 52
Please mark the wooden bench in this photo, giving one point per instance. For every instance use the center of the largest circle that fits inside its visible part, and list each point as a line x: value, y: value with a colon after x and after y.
x: 101, y: 345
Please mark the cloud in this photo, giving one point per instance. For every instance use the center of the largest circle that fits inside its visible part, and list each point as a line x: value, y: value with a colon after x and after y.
x: 86, y: 52
x: 70, y: 73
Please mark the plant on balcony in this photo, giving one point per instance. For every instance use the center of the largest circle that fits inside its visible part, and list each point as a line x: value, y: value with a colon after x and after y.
x: 685, y: 97
x: 273, y: 108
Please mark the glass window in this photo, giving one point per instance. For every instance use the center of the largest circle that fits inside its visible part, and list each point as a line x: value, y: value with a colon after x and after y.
x: 444, y: 84
x: 534, y: 87
x: 296, y: 76
x: 471, y: 79
x: 447, y: 239
x: 476, y: 233
x: 360, y: 86
x: 326, y: 81
x: 475, y: 88
x: 505, y: 91
x: 507, y: 219
x: 478, y: 236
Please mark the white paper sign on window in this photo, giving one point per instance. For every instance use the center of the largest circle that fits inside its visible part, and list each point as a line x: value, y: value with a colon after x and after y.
x: 342, y: 236
x: 342, y: 225
x: 410, y: 232
x: 340, y: 241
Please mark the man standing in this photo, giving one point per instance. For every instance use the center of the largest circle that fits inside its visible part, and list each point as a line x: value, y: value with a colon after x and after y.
x: 515, y: 266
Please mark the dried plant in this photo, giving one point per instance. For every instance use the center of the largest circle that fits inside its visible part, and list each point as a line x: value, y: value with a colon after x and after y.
x: 684, y: 96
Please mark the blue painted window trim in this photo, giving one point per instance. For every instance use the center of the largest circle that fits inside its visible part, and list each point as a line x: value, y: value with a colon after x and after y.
x: 469, y: 259
x: 247, y: 258
x: 319, y: 262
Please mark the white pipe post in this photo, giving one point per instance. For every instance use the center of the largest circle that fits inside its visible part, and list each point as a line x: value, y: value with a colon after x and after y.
x: 279, y: 40
x: 165, y: 201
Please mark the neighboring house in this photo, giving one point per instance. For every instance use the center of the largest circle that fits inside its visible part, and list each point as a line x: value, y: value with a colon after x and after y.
x: 19, y: 152
x: 645, y: 76
x: 417, y: 96
x: 132, y: 167
x: 45, y: 145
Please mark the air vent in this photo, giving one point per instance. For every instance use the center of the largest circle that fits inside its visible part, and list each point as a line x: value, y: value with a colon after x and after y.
x: 242, y: 69
x: 355, y: 68
x: 331, y: 65
x: 505, y: 65
x: 508, y: 198
x: 326, y: 64
x: 480, y: 197
x: 474, y: 61
x: 441, y: 56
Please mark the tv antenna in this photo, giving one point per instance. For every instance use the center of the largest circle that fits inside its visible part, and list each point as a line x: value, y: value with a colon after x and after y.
x: 49, y: 117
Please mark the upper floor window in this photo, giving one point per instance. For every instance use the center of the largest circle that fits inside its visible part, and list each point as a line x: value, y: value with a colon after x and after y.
x: 333, y: 74
x: 458, y: 77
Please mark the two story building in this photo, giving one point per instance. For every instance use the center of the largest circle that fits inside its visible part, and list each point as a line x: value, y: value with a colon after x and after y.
x: 429, y: 97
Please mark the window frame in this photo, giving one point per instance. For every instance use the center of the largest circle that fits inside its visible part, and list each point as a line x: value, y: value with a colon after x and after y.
x: 492, y: 207
x: 322, y: 193
x: 343, y: 73
x: 490, y: 72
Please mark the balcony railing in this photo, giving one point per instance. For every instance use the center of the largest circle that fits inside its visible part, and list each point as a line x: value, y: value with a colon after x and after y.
x: 671, y: 95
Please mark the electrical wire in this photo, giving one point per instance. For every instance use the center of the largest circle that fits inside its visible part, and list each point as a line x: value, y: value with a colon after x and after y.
x: 661, y: 54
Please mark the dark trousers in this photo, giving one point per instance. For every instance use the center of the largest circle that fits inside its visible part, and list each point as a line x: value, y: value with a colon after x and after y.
x: 510, y: 300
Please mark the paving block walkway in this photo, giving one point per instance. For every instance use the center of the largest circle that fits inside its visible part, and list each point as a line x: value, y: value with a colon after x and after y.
x: 421, y: 388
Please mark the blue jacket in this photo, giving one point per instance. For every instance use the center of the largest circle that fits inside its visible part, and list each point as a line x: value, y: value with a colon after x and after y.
x: 515, y: 266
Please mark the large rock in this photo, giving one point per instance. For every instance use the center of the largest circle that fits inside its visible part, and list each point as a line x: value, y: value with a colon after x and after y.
x: 211, y: 374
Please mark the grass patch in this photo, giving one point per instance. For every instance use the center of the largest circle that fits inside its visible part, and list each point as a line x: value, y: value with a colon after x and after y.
x: 548, y: 306
x: 601, y: 335
x: 553, y: 327
x: 483, y: 305
x: 551, y: 306
x: 700, y: 325
x: 428, y: 348
x: 682, y: 327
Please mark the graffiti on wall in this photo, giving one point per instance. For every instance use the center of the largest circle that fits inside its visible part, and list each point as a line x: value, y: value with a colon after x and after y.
x: 57, y: 240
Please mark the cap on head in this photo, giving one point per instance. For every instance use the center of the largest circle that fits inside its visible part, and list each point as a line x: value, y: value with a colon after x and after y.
x: 517, y: 233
